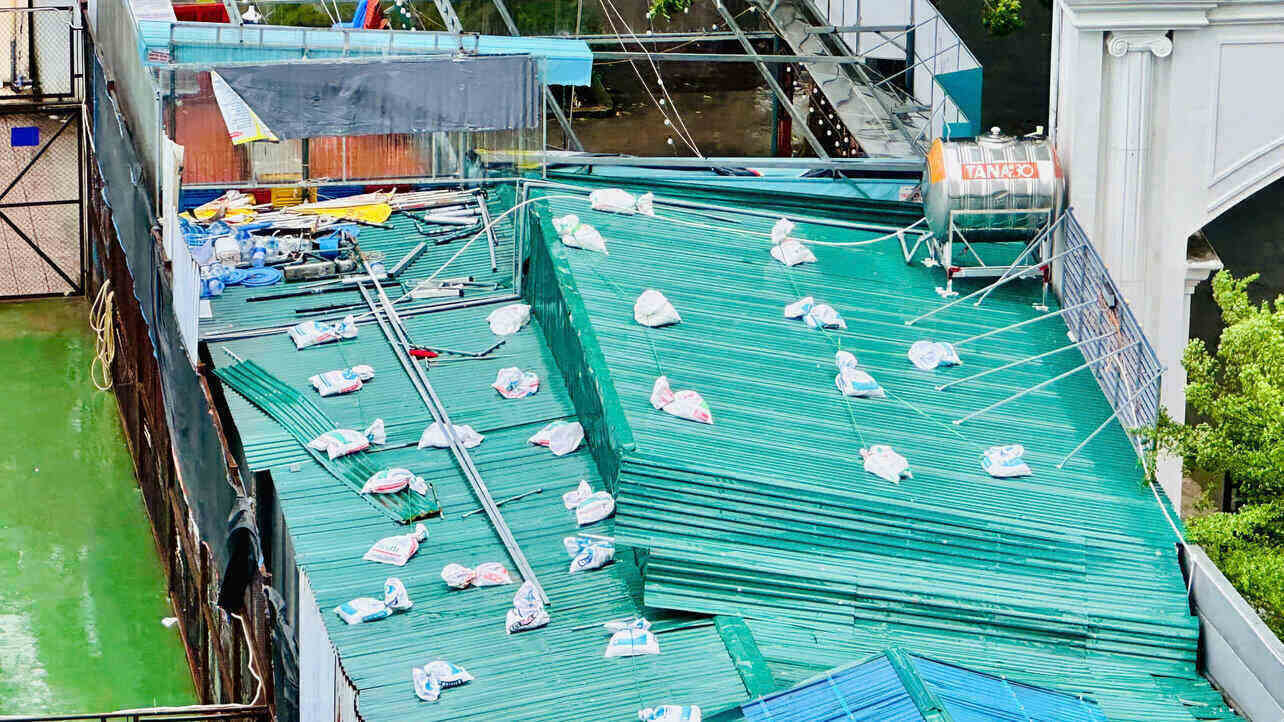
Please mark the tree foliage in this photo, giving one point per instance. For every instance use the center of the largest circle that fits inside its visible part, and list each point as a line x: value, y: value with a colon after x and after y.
x: 1002, y: 17
x: 1236, y: 396
x: 1249, y: 549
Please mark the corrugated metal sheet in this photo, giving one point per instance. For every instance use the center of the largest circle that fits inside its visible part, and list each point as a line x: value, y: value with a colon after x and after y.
x: 896, y: 685
x: 556, y: 673
x: 1069, y: 575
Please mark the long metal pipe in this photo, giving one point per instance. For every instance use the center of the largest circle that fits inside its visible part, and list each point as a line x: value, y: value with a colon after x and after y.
x: 1025, y: 360
x: 1019, y: 324
x: 1159, y: 374
x: 1038, y: 386
x: 394, y: 333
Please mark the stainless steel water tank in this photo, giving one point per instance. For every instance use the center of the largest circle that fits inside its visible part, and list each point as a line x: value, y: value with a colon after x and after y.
x: 994, y: 172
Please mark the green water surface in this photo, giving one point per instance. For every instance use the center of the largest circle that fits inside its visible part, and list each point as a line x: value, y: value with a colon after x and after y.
x: 82, y: 593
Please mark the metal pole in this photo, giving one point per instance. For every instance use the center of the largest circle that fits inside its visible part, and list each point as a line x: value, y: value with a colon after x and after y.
x: 1033, y: 244
x: 1018, y: 324
x: 401, y: 345
x: 785, y: 99
x: 992, y: 286
x: 1036, y: 387
x: 1110, y: 418
x: 1027, y: 359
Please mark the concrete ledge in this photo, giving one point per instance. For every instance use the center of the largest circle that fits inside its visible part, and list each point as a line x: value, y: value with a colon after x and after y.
x: 1236, y: 649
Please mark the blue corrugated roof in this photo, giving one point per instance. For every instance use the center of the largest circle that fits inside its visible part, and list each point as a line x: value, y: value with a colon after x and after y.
x: 896, y: 685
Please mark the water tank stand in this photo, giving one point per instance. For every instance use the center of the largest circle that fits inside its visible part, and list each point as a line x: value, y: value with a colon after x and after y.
x: 941, y: 252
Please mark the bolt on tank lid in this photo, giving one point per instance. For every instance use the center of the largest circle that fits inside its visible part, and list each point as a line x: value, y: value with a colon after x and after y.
x: 995, y: 136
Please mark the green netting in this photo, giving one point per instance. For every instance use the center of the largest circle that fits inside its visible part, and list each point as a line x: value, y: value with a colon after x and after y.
x: 305, y: 422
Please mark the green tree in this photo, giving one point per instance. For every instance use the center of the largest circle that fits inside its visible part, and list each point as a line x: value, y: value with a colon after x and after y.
x: 1249, y: 549
x: 1236, y: 396
x: 1002, y: 17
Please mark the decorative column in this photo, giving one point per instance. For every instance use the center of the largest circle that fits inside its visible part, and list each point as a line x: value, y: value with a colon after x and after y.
x: 1128, y: 160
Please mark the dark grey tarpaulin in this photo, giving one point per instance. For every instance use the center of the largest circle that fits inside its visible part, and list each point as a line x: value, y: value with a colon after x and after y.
x: 308, y: 100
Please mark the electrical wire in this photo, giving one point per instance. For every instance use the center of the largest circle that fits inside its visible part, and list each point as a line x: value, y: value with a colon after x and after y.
x: 101, y: 317
x: 680, y: 132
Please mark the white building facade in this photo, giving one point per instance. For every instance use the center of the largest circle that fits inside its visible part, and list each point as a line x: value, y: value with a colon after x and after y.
x: 1165, y: 113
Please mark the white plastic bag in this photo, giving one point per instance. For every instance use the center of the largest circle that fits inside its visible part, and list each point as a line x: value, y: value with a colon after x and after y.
x: 508, y: 320
x: 397, y: 550
x: 685, y: 404
x: 341, y: 442
x: 561, y: 437
x: 362, y: 609
x: 513, y: 383
x: 597, y: 507
x: 578, y: 543
x: 653, y: 309
x: 395, y: 595
x: 572, y: 499
x: 435, y: 436
x: 927, y: 355
x: 430, y: 680
x: 594, y: 556
x: 458, y: 576
x: 311, y: 333
x: 781, y: 230
x: 491, y: 574
x: 852, y: 381
x: 1005, y: 461
x: 618, y: 200
x: 527, y: 612
x: 791, y: 253
x: 815, y: 315
x: 884, y: 463
x: 632, y: 642
x: 579, y: 235
x: 391, y: 481
x: 342, y: 381
x: 619, y: 625
x: 671, y: 713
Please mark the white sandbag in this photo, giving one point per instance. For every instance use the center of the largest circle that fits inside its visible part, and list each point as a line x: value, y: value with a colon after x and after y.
x: 395, y: 595
x: 578, y: 543
x: 430, y: 680
x: 312, y: 333
x: 426, y: 688
x: 561, y: 437
x: 852, y: 381
x: 671, y: 713
x: 391, y: 481
x: 927, y: 355
x: 884, y: 463
x: 600, y: 505
x: 572, y: 499
x: 645, y: 204
x: 397, y: 550
x: 632, y: 643
x: 513, y: 383
x: 1005, y: 461
x: 341, y: 442
x: 491, y: 574
x: 618, y: 200
x: 792, y: 253
x: 341, y: 381
x: 594, y: 556
x: 227, y: 250
x: 509, y: 319
x: 815, y: 315
x: 458, y: 576
x: 685, y: 404
x: 447, y: 674
x: 653, y: 309
x: 362, y: 609
x: 527, y: 598
x: 781, y: 230
x: 367, y: 609
x: 518, y: 622
x: 435, y: 436
x: 579, y: 235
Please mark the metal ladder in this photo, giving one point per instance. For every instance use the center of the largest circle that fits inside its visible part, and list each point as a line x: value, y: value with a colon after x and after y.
x: 882, y: 123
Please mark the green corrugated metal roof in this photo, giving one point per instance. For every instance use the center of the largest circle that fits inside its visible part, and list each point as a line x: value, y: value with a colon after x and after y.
x: 1067, y: 579
x: 556, y: 673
